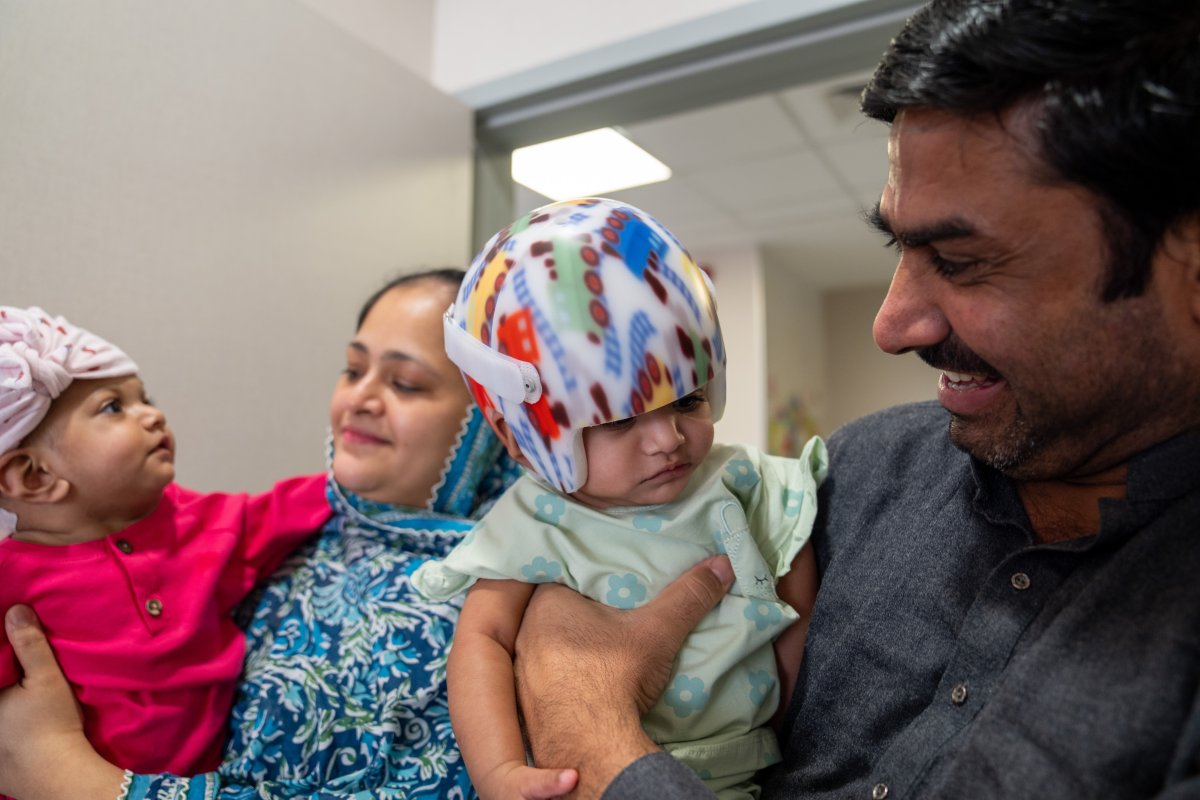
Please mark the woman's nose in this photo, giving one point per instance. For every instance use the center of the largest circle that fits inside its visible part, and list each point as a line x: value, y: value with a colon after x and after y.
x: 366, y: 395
x: 910, y: 317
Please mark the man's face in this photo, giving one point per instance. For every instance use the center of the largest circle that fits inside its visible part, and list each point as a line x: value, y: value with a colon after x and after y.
x: 999, y: 286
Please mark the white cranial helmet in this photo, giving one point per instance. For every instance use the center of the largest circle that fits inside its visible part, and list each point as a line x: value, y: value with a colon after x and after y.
x: 580, y: 313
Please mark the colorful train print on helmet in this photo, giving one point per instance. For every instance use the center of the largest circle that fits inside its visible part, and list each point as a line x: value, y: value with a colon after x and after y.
x: 583, y: 312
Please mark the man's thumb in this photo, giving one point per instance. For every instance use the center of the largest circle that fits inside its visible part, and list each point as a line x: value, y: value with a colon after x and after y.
x: 694, y: 593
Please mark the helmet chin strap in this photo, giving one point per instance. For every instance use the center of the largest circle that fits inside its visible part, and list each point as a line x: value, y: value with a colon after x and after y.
x: 508, y: 377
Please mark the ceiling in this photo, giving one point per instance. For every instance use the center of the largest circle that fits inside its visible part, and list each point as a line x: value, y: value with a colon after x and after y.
x: 788, y: 171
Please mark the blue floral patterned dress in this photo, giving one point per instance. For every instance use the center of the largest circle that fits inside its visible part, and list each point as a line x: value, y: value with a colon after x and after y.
x: 344, y: 693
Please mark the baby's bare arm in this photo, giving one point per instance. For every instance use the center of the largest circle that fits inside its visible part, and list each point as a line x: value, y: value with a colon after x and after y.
x: 797, y: 588
x: 483, y: 702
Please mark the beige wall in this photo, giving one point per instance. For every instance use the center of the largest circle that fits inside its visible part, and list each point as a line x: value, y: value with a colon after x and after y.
x: 738, y: 279
x: 402, y: 30
x: 216, y: 186
x: 861, y: 377
x: 796, y: 358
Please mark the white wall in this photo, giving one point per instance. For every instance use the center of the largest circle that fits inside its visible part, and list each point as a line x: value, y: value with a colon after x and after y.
x: 216, y: 186
x: 862, y: 378
x: 738, y: 279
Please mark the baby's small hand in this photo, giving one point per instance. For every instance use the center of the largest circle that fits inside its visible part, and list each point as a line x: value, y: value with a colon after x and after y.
x: 515, y: 779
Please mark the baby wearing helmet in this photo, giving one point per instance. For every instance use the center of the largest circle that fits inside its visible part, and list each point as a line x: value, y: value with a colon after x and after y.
x: 590, y: 339
x: 132, y: 576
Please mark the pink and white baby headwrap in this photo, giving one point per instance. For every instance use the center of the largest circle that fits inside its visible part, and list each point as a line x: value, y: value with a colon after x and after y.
x: 39, y: 357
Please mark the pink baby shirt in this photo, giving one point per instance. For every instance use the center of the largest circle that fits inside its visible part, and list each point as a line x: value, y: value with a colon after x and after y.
x: 140, y: 621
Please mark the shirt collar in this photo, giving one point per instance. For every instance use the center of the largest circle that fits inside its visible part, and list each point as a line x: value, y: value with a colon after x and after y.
x: 1156, y: 476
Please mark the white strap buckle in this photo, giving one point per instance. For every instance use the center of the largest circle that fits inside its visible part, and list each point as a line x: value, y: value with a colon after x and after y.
x: 500, y: 374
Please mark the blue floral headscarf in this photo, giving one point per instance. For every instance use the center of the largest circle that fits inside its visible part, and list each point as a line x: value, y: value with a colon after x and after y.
x: 476, y: 473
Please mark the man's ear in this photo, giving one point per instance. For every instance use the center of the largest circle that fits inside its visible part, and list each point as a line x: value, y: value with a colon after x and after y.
x: 23, y: 477
x: 505, y: 434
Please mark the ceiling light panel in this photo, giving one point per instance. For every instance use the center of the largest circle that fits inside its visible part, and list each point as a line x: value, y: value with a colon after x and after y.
x: 586, y: 164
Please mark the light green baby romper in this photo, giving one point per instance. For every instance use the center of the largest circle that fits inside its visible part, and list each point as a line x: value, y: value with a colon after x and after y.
x: 757, y: 508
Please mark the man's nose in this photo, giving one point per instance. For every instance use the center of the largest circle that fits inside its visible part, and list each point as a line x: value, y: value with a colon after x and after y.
x: 910, y: 317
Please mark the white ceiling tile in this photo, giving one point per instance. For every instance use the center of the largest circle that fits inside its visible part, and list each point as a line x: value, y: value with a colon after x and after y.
x: 746, y: 173
x: 862, y: 163
x: 829, y: 110
x: 834, y: 254
x: 791, y: 179
x: 797, y: 216
x: 737, y: 131
x: 672, y: 202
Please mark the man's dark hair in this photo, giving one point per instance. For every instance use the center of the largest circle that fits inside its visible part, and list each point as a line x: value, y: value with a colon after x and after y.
x: 451, y: 277
x: 1118, y: 87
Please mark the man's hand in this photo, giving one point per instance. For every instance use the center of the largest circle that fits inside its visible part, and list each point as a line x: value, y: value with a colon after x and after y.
x: 43, y: 752
x: 587, y: 672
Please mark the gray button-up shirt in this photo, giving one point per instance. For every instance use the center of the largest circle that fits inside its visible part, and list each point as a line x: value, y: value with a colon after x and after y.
x: 949, y: 656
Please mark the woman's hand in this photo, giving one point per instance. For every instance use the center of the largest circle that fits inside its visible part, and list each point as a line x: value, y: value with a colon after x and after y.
x: 587, y: 672
x: 43, y: 752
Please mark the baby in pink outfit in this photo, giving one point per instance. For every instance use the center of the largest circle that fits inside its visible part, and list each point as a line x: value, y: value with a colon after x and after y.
x: 132, y: 576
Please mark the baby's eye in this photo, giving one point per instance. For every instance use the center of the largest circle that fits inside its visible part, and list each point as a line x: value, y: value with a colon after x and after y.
x: 690, y: 403
x: 112, y: 406
x: 351, y: 373
x: 618, y: 424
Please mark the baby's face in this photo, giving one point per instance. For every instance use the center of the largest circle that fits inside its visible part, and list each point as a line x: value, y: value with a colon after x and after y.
x: 647, y: 459
x: 111, y: 444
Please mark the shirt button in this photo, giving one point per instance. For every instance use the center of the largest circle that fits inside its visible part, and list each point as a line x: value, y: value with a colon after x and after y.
x: 1020, y: 581
x: 124, y: 546
x: 154, y: 606
x: 879, y: 791
x: 958, y: 695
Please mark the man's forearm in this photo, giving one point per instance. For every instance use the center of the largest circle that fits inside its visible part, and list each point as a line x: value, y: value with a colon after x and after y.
x: 586, y: 672
x: 603, y: 742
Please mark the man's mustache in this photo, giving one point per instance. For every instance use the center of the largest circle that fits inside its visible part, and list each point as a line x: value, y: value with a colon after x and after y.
x: 951, y: 354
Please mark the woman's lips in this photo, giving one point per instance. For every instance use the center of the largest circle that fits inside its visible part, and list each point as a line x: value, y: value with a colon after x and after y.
x: 356, y: 436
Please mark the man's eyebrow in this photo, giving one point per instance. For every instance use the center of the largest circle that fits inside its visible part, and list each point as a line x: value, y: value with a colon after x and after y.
x: 953, y: 228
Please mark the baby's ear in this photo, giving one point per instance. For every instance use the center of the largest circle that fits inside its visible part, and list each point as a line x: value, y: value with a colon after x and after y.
x: 505, y: 434
x: 23, y: 477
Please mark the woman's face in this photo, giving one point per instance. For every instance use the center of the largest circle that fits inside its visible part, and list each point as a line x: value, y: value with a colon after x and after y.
x: 400, y: 403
